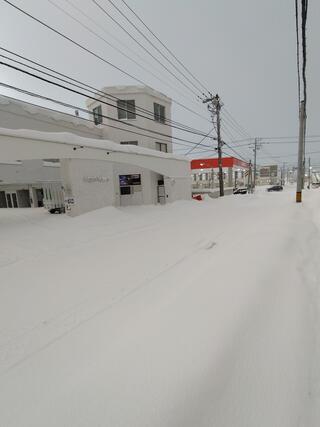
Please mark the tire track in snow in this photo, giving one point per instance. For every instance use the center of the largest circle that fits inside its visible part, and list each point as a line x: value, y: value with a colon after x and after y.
x: 48, y: 332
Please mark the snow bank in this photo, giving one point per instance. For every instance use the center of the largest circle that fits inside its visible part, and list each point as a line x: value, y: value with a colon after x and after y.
x: 190, y: 314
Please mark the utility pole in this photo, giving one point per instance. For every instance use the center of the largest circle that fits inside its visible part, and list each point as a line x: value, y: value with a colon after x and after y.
x: 309, y: 174
x: 250, y: 178
x: 300, y: 171
x: 283, y: 174
x: 255, y: 148
x: 214, y: 106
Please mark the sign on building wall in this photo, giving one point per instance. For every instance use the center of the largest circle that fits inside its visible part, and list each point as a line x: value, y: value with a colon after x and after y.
x: 134, y: 179
x: 269, y: 171
x: 95, y: 179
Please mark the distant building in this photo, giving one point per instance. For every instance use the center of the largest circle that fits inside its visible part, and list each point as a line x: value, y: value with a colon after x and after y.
x: 205, y: 172
x: 268, y: 175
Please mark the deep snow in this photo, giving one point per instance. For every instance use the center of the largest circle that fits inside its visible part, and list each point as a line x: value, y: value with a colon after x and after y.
x: 191, y: 314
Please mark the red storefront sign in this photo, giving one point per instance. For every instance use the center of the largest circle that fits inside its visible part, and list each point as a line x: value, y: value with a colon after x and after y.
x: 212, y: 163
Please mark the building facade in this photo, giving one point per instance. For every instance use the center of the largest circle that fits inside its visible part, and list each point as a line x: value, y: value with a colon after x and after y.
x: 205, y: 173
x: 150, y: 111
x: 87, y: 184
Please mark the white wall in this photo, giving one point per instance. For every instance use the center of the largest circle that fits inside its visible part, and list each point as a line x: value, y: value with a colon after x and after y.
x: 16, y: 114
x: 144, y: 97
x: 89, y: 183
x: 149, y: 183
x: 28, y: 172
x: 177, y: 188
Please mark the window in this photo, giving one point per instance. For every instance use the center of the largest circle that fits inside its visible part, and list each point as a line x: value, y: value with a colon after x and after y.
x: 129, y: 142
x: 125, y: 190
x: 126, y: 109
x: 162, y: 146
x: 97, y: 115
x: 159, y: 112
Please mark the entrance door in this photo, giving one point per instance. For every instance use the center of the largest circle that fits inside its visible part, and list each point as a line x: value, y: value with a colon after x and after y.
x: 23, y: 198
x: 3, y: 199
x: 161, y: 192
x: 39, y: 192
x: 12, y: 200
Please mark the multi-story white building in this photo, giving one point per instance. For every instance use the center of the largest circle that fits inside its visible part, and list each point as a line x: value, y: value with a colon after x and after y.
x: 33, y: 183
x: 92, y: 183
x: 150, y: 111
x: 119, y: 106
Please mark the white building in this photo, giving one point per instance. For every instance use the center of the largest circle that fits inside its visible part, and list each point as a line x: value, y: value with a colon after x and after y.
x: 132, y: 105
x: 127, y: 173
x: 138, y: 105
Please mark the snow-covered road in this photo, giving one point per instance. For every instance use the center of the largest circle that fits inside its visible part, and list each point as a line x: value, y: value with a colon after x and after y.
x: 191, y: 314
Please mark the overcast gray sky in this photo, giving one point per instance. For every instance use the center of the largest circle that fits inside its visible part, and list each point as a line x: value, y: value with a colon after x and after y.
x: 244, y: 50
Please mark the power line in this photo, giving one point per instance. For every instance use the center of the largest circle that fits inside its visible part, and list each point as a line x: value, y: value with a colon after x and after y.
x: 167, y: 49
x: 288, y: 137
x: 143, y: 47
x: 298, y: 50
x: 91, y: 52
x: 87, y: 50
x: 75, y: 107
x: 200, y: 142
x: 154, y: 46
x: 304, y: 13
x: 91, y: 89
x: 139, y: 64
x: 82, y: 94
x: 231, y: 120
x: 236, y: 124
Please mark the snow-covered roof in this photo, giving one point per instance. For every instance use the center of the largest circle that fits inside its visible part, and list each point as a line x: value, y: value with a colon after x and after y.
x: 131, y: 89
x: 79, y: 141
x: 47, y: 112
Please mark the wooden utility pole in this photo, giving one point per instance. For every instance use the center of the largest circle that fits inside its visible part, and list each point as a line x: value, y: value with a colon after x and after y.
x: 214, y: 106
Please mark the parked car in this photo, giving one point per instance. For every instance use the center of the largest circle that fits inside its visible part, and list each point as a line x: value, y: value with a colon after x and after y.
x: 241, y: 190
x: 57, y: 210
x: 275, y: 188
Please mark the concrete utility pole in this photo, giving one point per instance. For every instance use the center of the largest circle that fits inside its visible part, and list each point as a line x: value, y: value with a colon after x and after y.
x: 250, y: 178
x: 214, y: 106
x: 256, y: 147
x: 283, y: 174
x: 300, y: 171
x: 309, y: 174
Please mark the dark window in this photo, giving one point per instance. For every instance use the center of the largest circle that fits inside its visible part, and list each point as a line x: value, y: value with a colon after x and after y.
x: 97, y: 115
x: 125, y: 190
x: 126, y: 109
x: 126, y: 180
x: 159, y: 112
x: 162, y: 146
x: 3, y: 200
x: 129, y: 142
x: 9, y: 201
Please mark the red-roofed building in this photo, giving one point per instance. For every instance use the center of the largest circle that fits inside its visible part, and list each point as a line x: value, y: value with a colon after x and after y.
x: 205, y: 172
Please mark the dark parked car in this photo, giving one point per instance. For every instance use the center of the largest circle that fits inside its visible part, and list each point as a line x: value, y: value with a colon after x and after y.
x: 241, y: 190
x: 275, y: 188
x: 57, y: 210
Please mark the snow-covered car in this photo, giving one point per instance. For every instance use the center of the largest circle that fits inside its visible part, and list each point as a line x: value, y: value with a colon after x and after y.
x: 275, y: 188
